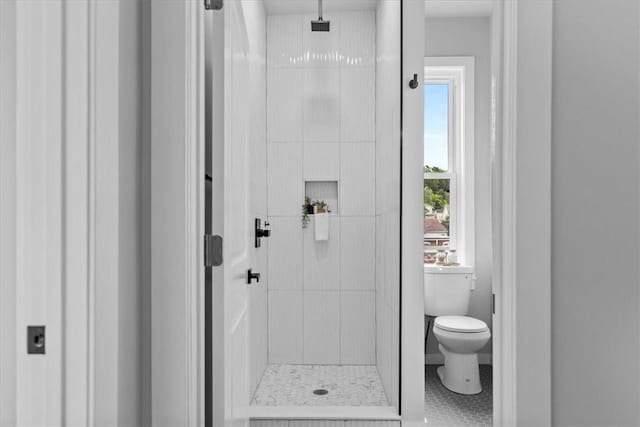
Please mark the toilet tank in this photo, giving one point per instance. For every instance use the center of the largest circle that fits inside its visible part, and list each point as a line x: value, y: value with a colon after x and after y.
x: 447, y: 290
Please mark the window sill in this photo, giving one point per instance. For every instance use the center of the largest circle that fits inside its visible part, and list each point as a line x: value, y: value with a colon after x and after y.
x: 454, y: 269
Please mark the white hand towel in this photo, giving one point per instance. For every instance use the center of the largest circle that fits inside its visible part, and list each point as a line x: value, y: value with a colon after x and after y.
x: 321, y: 224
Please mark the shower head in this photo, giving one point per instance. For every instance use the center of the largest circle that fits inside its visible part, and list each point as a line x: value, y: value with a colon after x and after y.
x: 320, y: 24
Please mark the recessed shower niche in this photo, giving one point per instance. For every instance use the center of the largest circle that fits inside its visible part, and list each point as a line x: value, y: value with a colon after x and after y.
x: 323, y: 191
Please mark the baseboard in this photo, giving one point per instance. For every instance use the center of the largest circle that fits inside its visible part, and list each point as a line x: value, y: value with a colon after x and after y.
x: 438, y: 359
x: 323, y: 423
x: 372, y: 413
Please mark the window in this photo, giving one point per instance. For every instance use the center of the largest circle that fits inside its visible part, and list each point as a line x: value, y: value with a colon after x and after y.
x: 448, y: 158
x: 439, y: 170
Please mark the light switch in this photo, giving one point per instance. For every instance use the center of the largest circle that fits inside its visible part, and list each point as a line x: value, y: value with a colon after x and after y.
x: 35, y: 340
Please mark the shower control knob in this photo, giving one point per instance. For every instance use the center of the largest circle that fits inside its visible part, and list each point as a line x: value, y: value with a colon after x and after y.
x: 260, y: 232
x: 252, y: 276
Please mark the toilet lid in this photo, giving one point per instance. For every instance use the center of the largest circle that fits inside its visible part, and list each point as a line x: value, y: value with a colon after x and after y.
x: 460, y: 324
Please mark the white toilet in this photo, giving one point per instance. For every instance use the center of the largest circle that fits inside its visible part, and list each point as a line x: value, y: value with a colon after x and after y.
x: 446, y: 297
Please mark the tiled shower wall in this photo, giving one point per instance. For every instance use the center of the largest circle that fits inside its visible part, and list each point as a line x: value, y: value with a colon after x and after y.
x: 321, y: 126
x: 388, y: 195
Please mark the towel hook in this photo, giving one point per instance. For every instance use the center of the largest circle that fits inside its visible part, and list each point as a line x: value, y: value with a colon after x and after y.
x: 414, y: 83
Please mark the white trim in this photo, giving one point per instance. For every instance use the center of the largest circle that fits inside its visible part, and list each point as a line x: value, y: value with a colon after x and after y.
x: 461, y: 71
x: 58, y: 174
x: 324, y: 412
x: 521, y: 82
x: 62, y: 170
x: 79, y: 238
x: 412, y: 266
x: 91, y: 213
x: 505, y: 339
x: 39, y: 208
x: 499, y: 398
x: 7, y: 213
x: 177, y: 190
x: 194, y: 189
x: 106, y: 223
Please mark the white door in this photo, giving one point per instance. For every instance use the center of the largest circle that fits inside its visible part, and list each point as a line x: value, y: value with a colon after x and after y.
x: 237, y: 215
x: 178, y: 217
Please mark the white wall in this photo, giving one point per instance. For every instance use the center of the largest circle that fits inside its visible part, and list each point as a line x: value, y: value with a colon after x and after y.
x: 38, y: 212
x: 50, y: 160
x: 595, y: 164
x: 387, y: 196
x: 320, y: 122
x: 472, y: 37
x: 8, y: 176
x: 120, y: 368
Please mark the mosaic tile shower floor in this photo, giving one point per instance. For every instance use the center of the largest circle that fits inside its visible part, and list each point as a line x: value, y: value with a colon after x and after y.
x: 446, y: 408
x: 294, y: 385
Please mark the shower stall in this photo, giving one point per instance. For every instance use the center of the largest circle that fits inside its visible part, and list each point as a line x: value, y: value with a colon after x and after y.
x: 321, y: 113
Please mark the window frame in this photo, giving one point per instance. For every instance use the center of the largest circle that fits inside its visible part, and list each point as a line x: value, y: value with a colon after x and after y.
x: 458, y: 73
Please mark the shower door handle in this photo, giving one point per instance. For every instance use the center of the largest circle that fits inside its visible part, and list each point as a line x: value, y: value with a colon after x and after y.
x: 252, y: 276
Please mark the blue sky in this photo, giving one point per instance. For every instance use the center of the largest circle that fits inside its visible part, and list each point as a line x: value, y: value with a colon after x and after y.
x: 436, y: 126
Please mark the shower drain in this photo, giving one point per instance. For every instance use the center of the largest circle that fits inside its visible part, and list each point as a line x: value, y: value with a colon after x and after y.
x: 320, y: 392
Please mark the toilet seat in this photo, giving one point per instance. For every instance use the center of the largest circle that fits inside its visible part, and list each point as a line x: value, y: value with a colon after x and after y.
x: 461, y: 324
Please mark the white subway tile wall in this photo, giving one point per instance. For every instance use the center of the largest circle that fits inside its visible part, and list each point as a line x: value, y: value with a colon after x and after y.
x: 357, y: 104
x: 357, y: 179
x: 284, y: 41
x: 322, y: 259
x: 285, y: 327
x: 285, y: 254
x: 320, y: 161
x: 358, y: 253
x: 322, y: 327
x: 358, y: 334
x: 321, y: 49
x: 387, y: 206
x: 321, y: 127
x: 284, y: 104
x: 321, y: 105
x: 286, y: 188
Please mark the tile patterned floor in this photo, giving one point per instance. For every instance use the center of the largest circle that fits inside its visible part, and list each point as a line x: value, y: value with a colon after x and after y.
x: 446, y: 408
x: 347, y: 385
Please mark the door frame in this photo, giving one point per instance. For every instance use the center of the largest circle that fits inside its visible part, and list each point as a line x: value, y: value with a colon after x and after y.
x: 521, y: 137
x: 411, y: 213
x: 177, y: 213
x: 521, y: 92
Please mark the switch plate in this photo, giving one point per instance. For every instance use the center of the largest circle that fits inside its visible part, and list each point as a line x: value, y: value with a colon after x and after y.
x: 35, y: 340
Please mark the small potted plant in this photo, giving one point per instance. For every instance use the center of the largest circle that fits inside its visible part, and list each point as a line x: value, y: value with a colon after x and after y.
x: 320, y: 206
x: 307, y: 209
